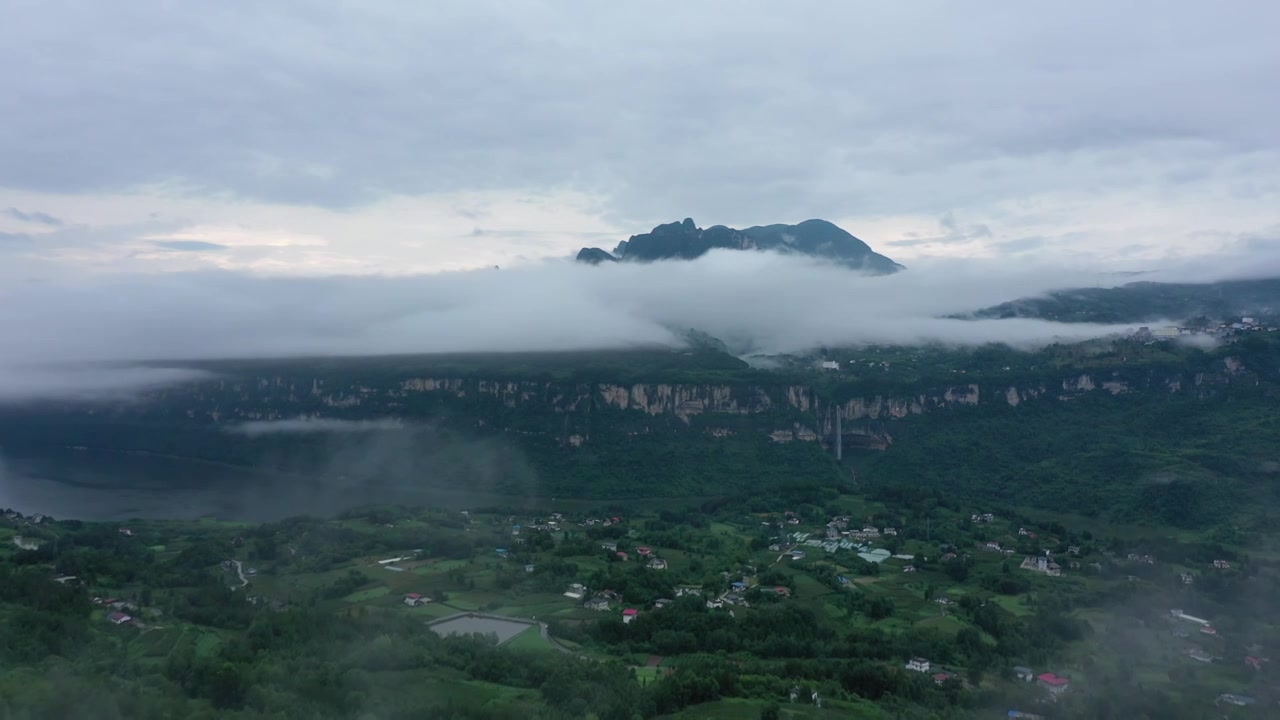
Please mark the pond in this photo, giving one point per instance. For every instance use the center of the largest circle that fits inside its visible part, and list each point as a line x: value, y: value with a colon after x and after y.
x: 472, y: 624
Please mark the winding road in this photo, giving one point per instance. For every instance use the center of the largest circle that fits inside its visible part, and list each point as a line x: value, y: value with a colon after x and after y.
x: 240, y: 571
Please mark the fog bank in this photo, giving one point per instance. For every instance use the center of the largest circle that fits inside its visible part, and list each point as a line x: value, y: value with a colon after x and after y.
x: 756, y: 302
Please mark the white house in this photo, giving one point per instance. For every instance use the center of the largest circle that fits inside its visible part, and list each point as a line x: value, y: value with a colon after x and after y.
x: 576, y: 591
x: 918, y: 664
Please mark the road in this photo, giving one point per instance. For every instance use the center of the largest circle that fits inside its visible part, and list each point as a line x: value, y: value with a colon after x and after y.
x: 240, y: 571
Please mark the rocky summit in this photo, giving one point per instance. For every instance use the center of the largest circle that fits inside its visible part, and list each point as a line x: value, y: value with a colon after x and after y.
x: 686, y: 241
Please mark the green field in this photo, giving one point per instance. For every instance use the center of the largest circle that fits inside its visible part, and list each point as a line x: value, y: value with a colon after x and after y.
x: 529, y: 640
x: 367, y: 595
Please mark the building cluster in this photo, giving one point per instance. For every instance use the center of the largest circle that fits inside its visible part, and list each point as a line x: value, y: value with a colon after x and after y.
x: 1042, y: 564
x: 1221, y: 330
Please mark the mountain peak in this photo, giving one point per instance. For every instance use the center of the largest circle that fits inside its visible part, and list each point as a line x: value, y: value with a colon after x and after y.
x: 684, y: 240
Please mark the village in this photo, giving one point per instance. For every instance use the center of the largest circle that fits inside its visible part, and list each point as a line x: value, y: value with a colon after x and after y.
x: 541, y: 580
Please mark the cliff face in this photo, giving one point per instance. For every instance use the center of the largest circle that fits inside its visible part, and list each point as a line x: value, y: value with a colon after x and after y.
x: 579, y: 413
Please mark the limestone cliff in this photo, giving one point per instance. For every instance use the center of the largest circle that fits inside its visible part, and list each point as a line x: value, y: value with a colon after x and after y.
x: 577, y: 413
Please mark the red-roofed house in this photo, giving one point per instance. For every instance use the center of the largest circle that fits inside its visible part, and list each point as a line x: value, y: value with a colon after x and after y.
x: 628, y: 615
x: 118, y: 618
x: 1053, y: 683
x: 415, y: 600
x: 623, y: 556
x: 644, y: 551
x: 941, y: 678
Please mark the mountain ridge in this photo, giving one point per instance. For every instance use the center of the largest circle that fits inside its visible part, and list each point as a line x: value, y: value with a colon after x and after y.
x: 684, y: 240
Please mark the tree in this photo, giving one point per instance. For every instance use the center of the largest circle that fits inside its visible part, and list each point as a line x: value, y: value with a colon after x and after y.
x: 770, y: 711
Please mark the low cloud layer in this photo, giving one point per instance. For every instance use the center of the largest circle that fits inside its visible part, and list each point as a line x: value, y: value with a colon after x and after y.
x: 303, y: 426
x: 756, y: 302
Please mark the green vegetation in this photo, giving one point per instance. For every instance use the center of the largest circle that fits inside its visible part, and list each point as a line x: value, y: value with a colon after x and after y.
x: 322, y: 630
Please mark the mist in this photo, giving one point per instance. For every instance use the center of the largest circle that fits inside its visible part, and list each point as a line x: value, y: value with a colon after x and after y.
x: 755, y: 302
x: 299, y: 426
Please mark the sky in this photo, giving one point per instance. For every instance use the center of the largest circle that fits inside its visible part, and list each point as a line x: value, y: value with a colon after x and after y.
x: 267, y: 179
x: 400, y: 138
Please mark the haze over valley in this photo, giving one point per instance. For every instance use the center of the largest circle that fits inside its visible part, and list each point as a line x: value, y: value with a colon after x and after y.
x: 650, y: 361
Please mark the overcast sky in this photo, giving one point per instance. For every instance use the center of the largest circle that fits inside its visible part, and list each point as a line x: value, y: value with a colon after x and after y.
x: 395, y: 137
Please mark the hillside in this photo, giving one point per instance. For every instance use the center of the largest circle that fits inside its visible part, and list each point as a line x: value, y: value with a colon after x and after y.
x: 1148, y: 301
x: 673, y: 424
x: 686, y: 241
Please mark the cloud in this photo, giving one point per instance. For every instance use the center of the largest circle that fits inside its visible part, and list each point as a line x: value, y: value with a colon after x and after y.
x: 1021, y: 244
x: 24, y: 383
x: 189, y: 245
x: 757, y: 302
x: 303, y: 426
x: 935, y: 108
x: 33, y: 217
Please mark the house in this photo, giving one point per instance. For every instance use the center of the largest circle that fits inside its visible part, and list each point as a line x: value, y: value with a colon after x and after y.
x: 738, y: 586
x: 118, y: 618
x: 682, y: 590
x: 793, y: 521
x: 623, y: 556
x: 629, y: 615
x: 598, y: 604
x: 842, y: 579
x: 1187, y: 578
x: 889, y: 532
x: 643, y: 551
x: 126, y: 531
x: 1208, y: 630
x: 1023, y: 532
x: 943, y: 601
x: 833, y: 533
x: 993, y: 545
x: 780, y: 591
x: 1073, y: 549
x: 909, y: 568
x: 657, y: 564
x: 918, y: 664
x: 502, y: 552
x: 830, y: 365
x: 1231, y: 699
x: 1054, y: 684
x: 576, y: 591
x: 415, y: 600
x: 661, y: 603
x: 611, y: 546
x: 715, y: 604
x: 1025, y: 674
x: 870, y: 532
x: 1222, y: 564
x: 941, y: 678
x: 797, y: 554
x: 529, y: 567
